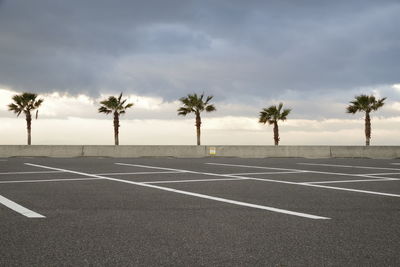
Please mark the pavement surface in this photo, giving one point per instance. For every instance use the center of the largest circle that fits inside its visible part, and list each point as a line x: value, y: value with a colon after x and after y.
x: 199, y: 212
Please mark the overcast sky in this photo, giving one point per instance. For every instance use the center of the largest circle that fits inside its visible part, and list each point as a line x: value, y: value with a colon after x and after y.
x: 315, y: 56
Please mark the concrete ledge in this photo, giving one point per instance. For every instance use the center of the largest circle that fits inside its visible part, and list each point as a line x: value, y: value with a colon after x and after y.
x: 41, y: 151
x: 388, y: 152
x: 144, y: 151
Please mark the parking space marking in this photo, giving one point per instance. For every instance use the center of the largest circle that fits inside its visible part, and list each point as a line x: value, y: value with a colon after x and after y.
x: 198, y: 180
x: 239, y: 203
x: 313, y: 185
x: 18, y: 173
x: 251, y: 173
x: 128, y: 173
x: 19, y: 209
x: 301, y: 171
x: 274, y: 181
x: 350, y: 181
x: 383, y: 173
x: 48, y: 180
x: 348, y: 166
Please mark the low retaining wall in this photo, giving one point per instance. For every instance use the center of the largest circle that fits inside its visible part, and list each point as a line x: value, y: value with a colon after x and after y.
x: 201, y: 151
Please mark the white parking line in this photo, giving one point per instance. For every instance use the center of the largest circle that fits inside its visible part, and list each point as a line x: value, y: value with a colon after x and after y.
x: 47, y: 180
x: 251, y: 173
x: 239, y: 203
x: 301, y: 171
x: 128, y: 173
x: 383, y: 173
x: 397, y: 163
x: 349, y: 181
x: 20, y: 209
x: 188, y: 181
x: 348, y: 166
x: 312, y: 185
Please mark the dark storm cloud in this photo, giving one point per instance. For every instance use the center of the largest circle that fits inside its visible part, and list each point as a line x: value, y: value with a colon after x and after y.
x: 233, y: 49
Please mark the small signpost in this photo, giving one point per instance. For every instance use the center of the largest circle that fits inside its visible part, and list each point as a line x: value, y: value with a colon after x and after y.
x: 213, y: 151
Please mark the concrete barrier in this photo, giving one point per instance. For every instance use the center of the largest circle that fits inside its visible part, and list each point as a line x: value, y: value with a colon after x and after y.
x: 144, y: 151
x: 271, y: 151
x: 379, y: 152
x: 41, y: 151
x: 201, y: 151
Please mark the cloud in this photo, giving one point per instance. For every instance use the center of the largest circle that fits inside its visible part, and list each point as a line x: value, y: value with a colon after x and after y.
x: 232, y: 49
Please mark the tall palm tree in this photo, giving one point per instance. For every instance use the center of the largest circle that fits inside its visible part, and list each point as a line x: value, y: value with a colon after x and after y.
x: 196, y: 104
x: 272, y: 115
x: 116, y: 106
x: 26, y: 103
x: 367, y: 104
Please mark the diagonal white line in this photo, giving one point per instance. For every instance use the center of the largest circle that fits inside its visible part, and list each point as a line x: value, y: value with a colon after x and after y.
x: 383, y: 173
x: 279, y: 181
x: 349, y: 181
x: 48, y: 180
x: 313, y: 185
x: 198, y: 180
x: 20, y: 209
x: 250, y: 173
x: 348, y: 166
x: 128, y: 173
x: 239, y: 203
x: 297, y: 170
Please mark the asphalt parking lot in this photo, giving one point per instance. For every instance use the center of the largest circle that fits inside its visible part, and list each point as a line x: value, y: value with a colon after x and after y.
x: 199, y: 212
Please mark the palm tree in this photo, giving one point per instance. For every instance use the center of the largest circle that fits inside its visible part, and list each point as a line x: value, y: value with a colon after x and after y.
x: 116, y: 106
x: 272, y: 115
x: 367, y: 104
x: 26, y: 102
x: 196, y: 104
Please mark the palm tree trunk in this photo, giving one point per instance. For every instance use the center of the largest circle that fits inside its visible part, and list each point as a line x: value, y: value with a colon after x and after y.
x: 28, y: 126
x: 367, y: 129
x: 198, y: 125
x: 116, y: 128
x: 276, y: 133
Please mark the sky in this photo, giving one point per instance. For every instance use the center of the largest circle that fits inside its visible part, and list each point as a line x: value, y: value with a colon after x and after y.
x: 314, y: 56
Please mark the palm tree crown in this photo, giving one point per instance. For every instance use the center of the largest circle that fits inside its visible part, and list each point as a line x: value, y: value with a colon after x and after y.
x: 25, y: 103
x: 196, y: 104
x: 272, y: 115
x: 367, y: 104
x: 113, y: 104
x: 116, y: 106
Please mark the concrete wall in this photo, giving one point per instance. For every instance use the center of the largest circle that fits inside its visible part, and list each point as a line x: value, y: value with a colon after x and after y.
x: 201, y: 151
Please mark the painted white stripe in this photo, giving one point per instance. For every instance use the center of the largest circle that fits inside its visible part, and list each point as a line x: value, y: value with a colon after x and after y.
x: 48, y: 180
x: 251, y: 173
x: 300, y: 171
x: 395, y: 163
x: 349, y: 166
x: 151, y: 167
x: 383, y: 173
x: 128, y: 173
x: 17, y: 173
x: 312, y: 185
x: 20, y: 209
x: 239, y: 203
x: 349, y: 181
x: 274, y: 181
x: 188, y: 181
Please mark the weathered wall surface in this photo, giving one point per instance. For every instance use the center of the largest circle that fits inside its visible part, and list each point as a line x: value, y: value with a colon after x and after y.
x: 201, y: 151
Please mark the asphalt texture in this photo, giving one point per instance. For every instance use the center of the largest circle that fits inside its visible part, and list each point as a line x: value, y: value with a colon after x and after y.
x: 102, y: 222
